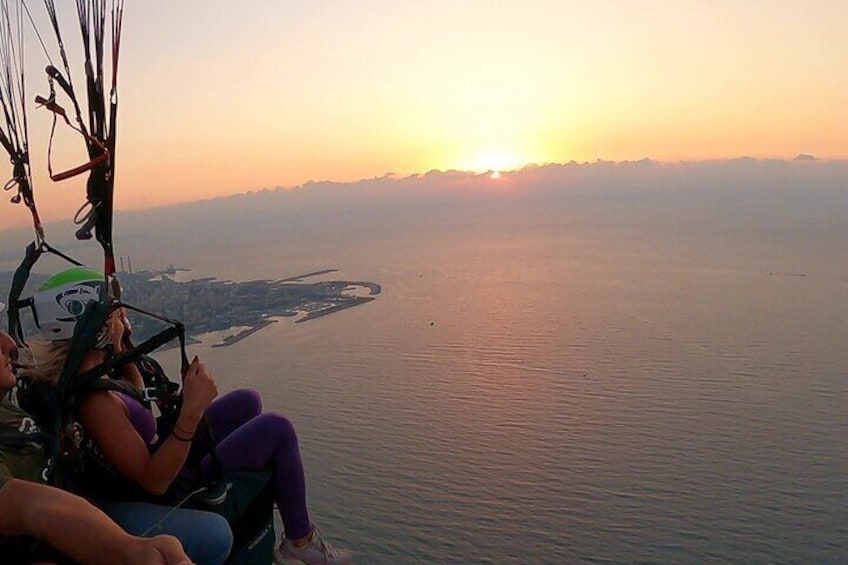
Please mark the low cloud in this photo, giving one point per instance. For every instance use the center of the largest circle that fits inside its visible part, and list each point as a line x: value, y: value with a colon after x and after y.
x: 790, y: 195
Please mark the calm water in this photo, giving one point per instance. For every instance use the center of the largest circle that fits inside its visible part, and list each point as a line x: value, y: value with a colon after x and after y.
x: 562, y: 381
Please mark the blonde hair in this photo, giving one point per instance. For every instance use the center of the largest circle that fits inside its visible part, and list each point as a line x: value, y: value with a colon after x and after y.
x: 48, y: 360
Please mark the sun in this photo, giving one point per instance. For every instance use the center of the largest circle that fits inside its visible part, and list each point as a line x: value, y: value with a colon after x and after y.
x: 497, y: 161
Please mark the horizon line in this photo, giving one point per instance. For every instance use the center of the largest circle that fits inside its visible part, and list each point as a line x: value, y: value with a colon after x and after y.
x: 801, y: 158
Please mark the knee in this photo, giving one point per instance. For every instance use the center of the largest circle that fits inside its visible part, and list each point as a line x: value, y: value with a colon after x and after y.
x: 205, y: 536
x: 279, y: 427
x: 216, y: 542
x: 249, y: 399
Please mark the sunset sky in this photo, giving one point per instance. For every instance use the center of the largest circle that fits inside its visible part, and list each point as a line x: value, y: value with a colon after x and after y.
x: 218, y: 97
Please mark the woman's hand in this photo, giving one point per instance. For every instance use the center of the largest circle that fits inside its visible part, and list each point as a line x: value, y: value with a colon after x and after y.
x: 106, y: 418
x: 117, y: 329
x: 199, y: 390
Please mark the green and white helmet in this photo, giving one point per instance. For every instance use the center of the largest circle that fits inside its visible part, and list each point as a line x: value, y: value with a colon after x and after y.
x: 61, y: 300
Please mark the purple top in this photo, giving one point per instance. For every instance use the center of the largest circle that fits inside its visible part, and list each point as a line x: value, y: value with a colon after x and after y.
x: 141, y: 418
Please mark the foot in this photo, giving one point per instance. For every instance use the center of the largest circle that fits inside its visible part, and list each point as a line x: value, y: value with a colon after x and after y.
x: 315, y: 552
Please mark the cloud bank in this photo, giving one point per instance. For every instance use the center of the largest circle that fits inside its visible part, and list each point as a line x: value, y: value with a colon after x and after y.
x: 785, y: 196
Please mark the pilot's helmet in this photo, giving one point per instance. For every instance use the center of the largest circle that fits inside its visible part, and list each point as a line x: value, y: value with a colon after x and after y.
x: 61, y: 300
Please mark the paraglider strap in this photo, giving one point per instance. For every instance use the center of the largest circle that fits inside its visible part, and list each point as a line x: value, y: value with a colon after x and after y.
x: 72, y: 387
x: 34, y: 251
x: 83, y: 381
x: 51, y: 105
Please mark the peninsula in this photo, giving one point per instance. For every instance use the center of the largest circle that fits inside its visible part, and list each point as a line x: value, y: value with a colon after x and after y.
x: 207, y: 304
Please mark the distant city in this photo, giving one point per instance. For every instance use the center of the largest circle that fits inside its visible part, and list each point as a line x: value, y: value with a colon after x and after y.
x: 209, y: 305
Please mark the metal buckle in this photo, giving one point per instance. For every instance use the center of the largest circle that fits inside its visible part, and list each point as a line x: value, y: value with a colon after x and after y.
x: 149, y: 394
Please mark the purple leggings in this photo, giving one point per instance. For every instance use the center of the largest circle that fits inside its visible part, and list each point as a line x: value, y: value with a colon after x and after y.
x: 247, y: 439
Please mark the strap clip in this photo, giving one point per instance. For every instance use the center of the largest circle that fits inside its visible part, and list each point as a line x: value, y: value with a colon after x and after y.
x: 150, y: 393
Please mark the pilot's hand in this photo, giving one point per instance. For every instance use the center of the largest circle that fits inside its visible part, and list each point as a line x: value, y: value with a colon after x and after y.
x: 158, y: 550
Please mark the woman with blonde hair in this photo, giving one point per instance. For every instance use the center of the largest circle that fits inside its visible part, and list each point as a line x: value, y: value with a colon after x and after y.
x: 33, y: 514
x: 243, y: 437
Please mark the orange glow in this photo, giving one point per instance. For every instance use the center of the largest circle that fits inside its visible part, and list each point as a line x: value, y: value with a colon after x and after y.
x: 496, y: 160
x: 496, y: 88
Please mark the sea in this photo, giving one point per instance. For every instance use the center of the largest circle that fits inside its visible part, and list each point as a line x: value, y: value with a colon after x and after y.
x: 556, y: 371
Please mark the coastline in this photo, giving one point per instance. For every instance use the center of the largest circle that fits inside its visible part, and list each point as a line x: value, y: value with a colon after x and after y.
x: 231, y: 339
x: 298, y: 278
x: 236, y: 310
x: 350, y: 303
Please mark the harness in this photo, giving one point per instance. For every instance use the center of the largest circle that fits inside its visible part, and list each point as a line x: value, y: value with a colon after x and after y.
x: 248, y: 506
x: 99, y: 478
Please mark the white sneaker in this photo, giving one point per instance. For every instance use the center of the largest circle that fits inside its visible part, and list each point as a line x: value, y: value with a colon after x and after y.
x: 316, y: 552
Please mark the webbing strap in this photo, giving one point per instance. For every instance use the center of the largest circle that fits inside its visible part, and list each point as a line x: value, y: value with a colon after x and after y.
x: 179, y: 327
x: 82, y: 381
x: 34, y: 251
x: 85, y: 335
x: 119, y: 386
x: 19, y: 280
